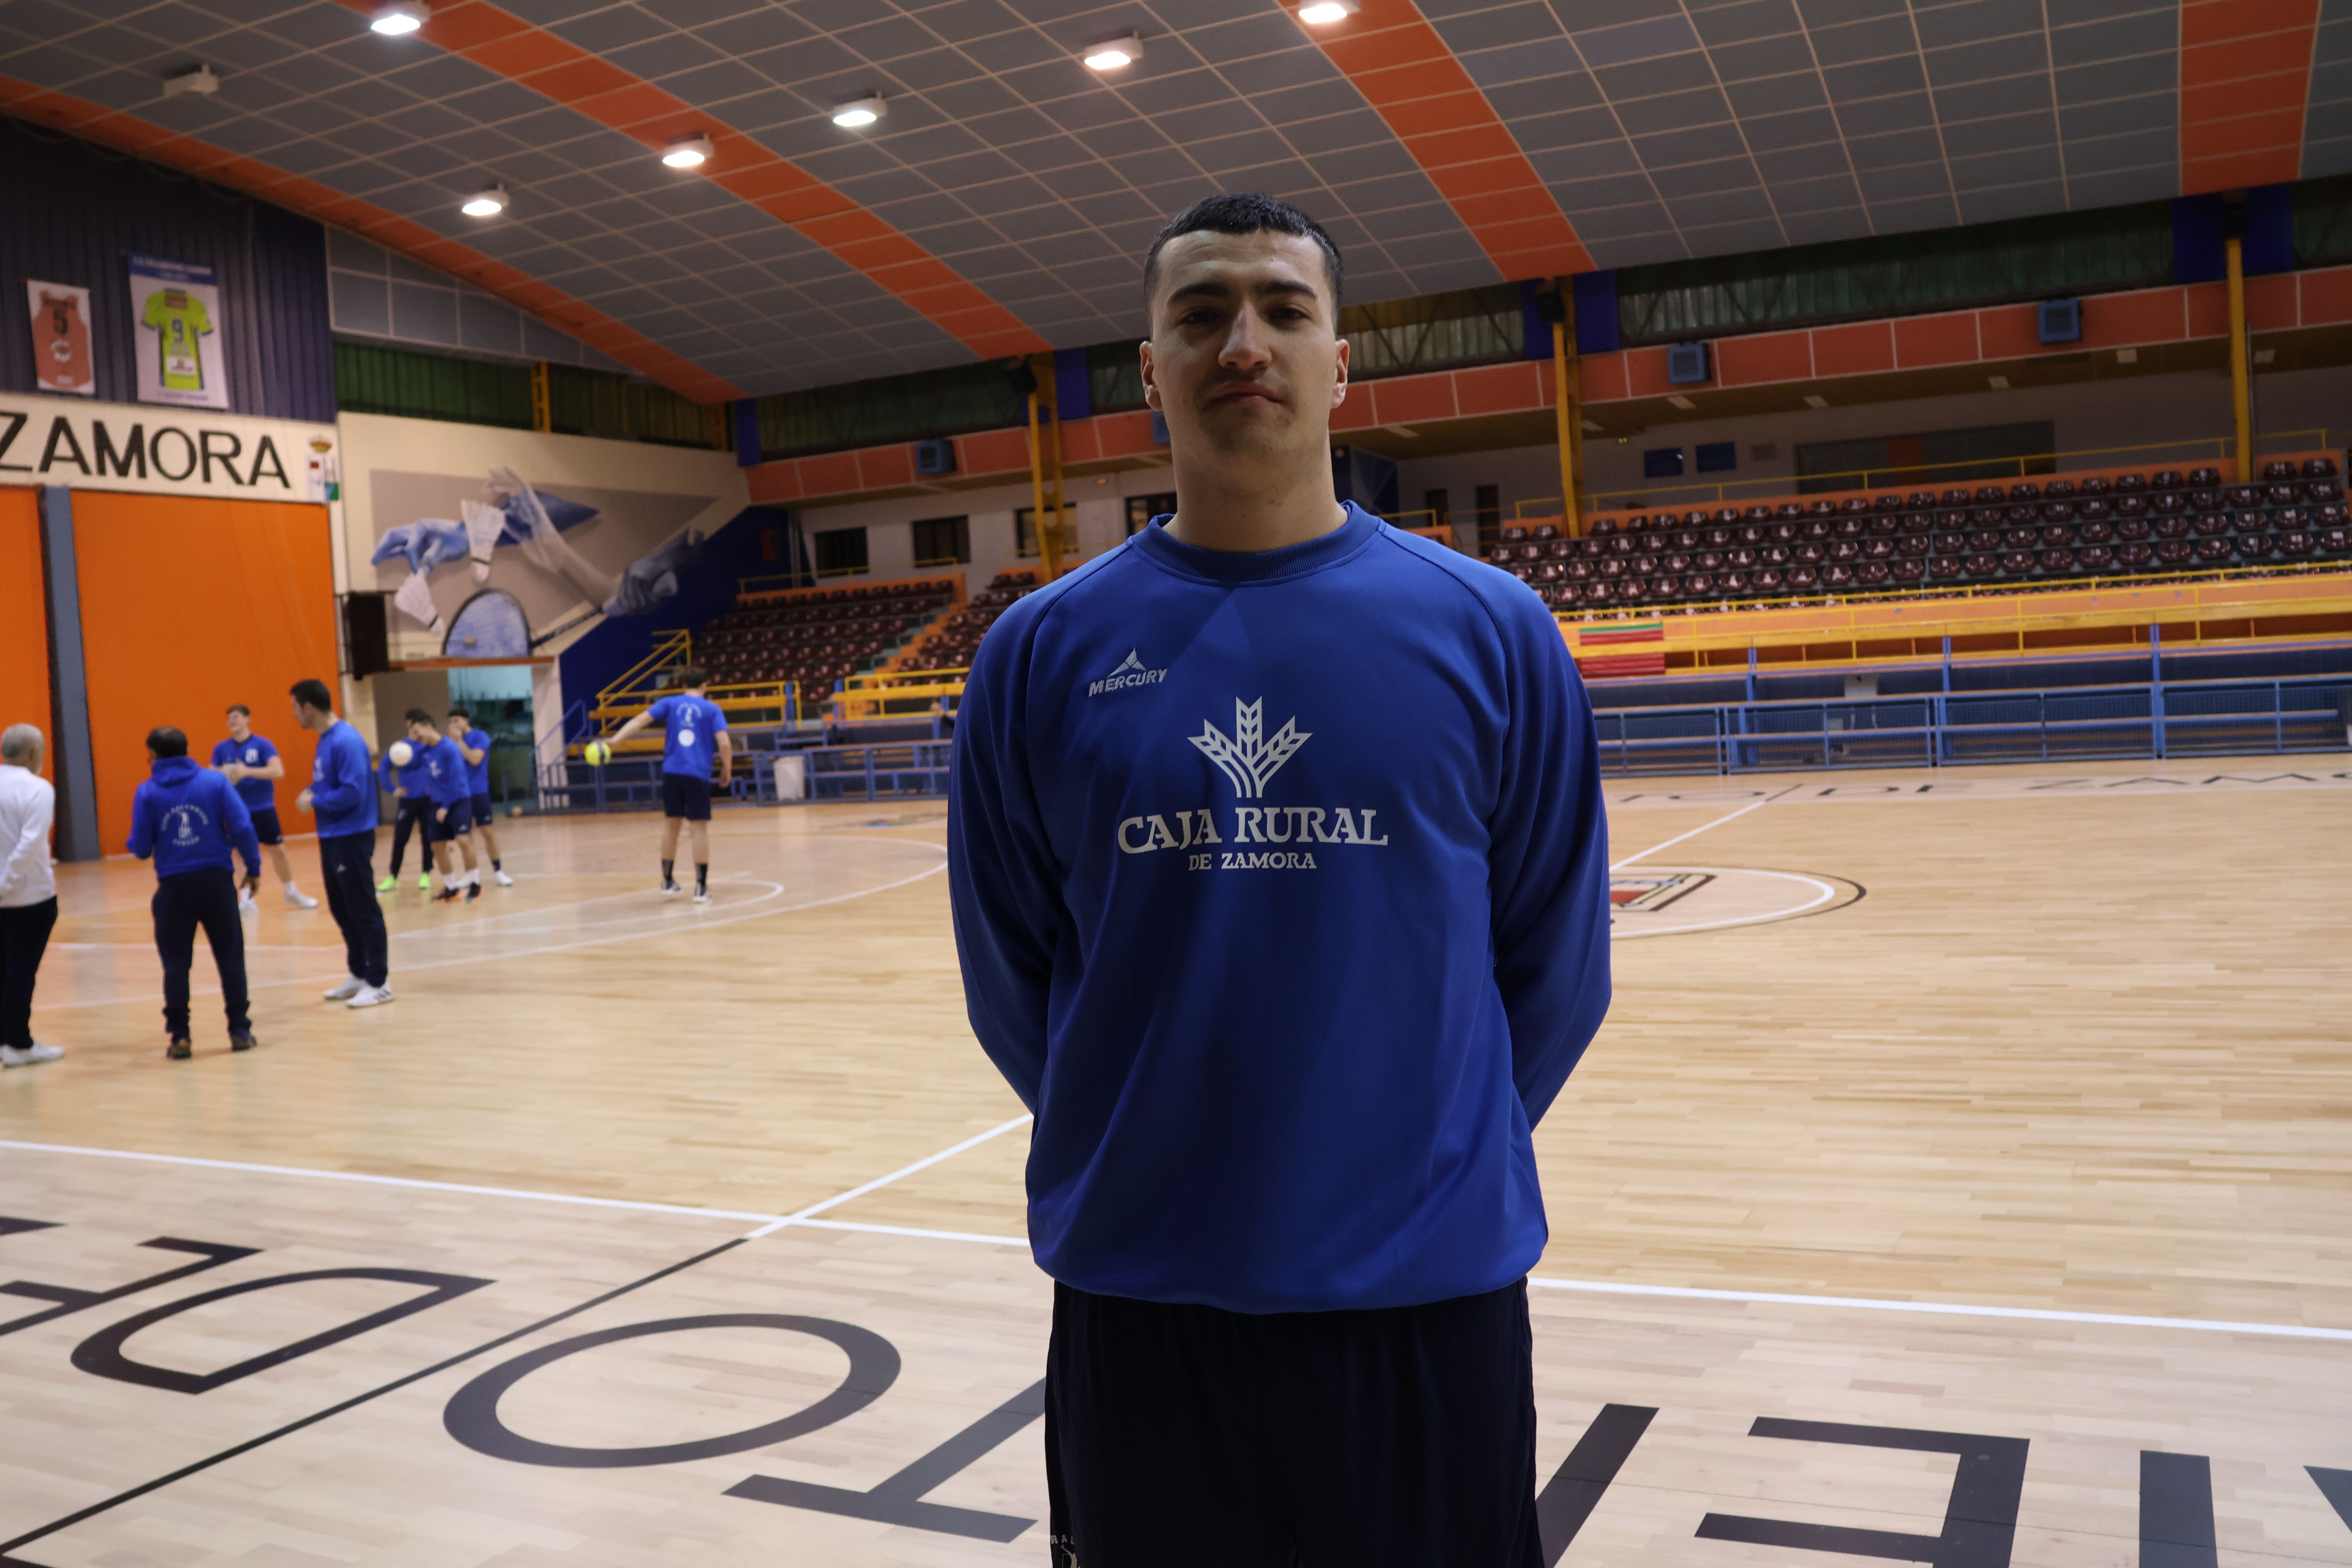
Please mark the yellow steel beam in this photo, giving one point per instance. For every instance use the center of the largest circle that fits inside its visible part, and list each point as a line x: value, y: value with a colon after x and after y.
x: 2241, y: 405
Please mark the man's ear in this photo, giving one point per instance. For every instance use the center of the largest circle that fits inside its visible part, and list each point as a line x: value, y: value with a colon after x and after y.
x: 1151, y: 387
x: 1340, y: 375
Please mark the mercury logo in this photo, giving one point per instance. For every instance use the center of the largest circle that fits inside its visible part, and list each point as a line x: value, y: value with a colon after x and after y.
x: 1248, y: 758
x: 1131, y: 672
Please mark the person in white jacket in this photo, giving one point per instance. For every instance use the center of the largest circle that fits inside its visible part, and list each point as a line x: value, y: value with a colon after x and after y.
x: 29, y: 890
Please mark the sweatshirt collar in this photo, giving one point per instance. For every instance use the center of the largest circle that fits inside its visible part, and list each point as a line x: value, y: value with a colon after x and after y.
x: 172, y: 769
x: 1259, y: 565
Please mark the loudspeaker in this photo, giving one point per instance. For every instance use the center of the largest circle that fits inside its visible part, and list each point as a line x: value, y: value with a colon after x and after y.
x: 935, y: 456
x: 367, y: 637
x: 2059, y: 321
x: 1686, y: 363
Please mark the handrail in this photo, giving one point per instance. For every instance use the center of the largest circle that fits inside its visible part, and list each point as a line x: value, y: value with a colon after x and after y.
x: 1549, y: 506
x: 665, y: 644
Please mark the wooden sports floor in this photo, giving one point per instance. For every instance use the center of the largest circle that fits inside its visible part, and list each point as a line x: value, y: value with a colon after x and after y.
x: 1964, y: 1175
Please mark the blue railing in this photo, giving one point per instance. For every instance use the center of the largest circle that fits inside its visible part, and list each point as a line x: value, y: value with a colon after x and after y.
x: 884, y: 771
x: 2152, y: 719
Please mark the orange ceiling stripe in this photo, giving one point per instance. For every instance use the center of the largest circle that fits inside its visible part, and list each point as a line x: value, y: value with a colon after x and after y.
x: 2245, y: 78
x: 499, y: 41
x: 131, y: 134
x: 1405, y: 71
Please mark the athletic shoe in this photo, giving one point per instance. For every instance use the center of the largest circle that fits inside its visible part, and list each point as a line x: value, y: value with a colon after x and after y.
x: 297, y: 899
x: 245, y: 904
x: 25, y: 1056
x: 670, y: 890
x: 242, y: 1042
x: 371, y: 996
x: 179, y: 1051
x: 387, y: 885
x: 473, y: 891
x: 701, y: 895
x: 425, y: 881
x: 352, y: 986
x: 446, y: 896
x: 504, y: 880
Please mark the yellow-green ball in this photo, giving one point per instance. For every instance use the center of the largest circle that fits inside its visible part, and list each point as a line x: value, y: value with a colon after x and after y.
x: 598, y: 753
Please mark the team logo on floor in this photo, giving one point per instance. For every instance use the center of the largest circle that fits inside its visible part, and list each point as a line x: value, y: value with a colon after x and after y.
x: 1249, y: 758
x: 1644, y: 894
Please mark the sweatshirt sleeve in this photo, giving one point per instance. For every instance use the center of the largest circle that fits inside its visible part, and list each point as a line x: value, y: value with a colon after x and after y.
x: 31, y: 848
x: 236, y: 821
x: 1548, y: 863
x: 339, y: 786
x: 1003, y: 886
x: 142, y: 824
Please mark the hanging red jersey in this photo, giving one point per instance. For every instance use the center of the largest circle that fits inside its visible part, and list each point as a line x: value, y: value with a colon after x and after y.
x: 61, y: 353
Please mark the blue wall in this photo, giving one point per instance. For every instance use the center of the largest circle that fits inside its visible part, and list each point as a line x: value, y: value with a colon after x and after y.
x: 73, y: 211
x: 736, y: 549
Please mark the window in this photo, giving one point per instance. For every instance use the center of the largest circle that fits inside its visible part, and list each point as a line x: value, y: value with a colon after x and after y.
x: 1141, y: 509
x: 1434, y: 503
x: 842, y: 550
x: 1490, y: 516
x: 1024, y: 531
x: 942, y: 540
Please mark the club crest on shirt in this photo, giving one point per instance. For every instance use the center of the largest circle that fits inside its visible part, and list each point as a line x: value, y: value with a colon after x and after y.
x: 1131, y: 672
x: 1249, y: 758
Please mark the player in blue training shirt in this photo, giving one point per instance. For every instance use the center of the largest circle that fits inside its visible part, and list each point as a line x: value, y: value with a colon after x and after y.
x: 249, y: 761
x: 475, y: 744
x: 412, y: 813
x: 696, y: 729
x: 1280, y: 883
x: 452, y: 822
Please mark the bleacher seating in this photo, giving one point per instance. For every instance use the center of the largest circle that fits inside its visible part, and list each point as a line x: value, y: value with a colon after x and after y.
x: 956, y: 638
x: 2023, y: 533
x: 816, y: 638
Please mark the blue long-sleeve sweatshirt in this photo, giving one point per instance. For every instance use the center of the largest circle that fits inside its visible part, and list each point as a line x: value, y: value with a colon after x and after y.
x: 190, y: 818
x: 1280, y: 883
x: 342, y: 782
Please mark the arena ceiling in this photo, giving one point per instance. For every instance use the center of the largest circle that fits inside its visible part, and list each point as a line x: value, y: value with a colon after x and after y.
x: 1001, y: 203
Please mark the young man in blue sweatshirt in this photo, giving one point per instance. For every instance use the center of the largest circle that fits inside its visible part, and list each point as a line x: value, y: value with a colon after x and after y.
x: 1280, y: 884
x: 412, y: 812
x: 189, y: 819
x: 251, y: 763
x: 693, y: 740
x: 443, y: 766
x: 475, y: 744
x: 343, y: 796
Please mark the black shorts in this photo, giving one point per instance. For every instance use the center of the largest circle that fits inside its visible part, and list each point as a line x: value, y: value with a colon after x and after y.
x: 685, y: 796
x: 459, y: 822
x: 483, y: 813
x: 1396, y: 1438
x: 265, y: 825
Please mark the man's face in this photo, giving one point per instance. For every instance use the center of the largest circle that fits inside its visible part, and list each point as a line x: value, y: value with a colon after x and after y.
x: 1245, y: 358
x: 421, y: 734
x: 239, y: 726
x: 459, y: 723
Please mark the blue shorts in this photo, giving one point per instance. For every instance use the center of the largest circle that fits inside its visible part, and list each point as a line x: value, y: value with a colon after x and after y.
x: 483, y: 814
x: 459, y: 823
x: 265, y: 825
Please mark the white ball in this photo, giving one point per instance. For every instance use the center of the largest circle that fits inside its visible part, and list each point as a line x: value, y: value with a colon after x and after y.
x: 401, y: 752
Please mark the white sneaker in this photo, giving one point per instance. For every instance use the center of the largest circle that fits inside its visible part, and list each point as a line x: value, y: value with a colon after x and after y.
x: 297, y: 899
x: 701, y: 895
x: 14, y: 1056
x: 503, y: 879
x: 670, y: 890
x: 370, y: 996
x: 245, y: 904
x: 350, y: 988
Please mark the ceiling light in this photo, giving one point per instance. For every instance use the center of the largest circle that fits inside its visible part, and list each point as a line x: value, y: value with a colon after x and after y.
x: 397, y: 18
x: 687, y: 152
x: 1323, y: 13
x: 1679, y: 401
x: 858, y: 111
x: 198, y: 79
x: 488, y: 201
x: 1110, y: 54
x: 1812, y: 400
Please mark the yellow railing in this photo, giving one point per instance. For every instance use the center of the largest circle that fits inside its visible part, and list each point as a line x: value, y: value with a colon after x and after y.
x: 872, y: 695
x: 670, y: 649
x: 2213, y: 448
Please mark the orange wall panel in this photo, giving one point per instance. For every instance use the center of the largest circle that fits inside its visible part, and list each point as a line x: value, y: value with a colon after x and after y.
x: 23, y: 619
x: 1935, y: 340
x: 1765, y: 357
x: 188, y: 605
x: 1858, y: 350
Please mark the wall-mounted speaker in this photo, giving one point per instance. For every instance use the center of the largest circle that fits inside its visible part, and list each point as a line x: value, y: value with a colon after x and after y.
x: 367, y: 640
x: 1686, y: 363
x: 2059, y: 321
x: 935, y: 456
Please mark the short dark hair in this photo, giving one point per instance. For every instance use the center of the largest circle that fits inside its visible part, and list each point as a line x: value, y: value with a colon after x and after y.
x: 1242, y: 212
x: 163, y: 740
x: 313, y: 694
x: 419, y: 716
x: 691, y: 676
x: 461, y: 713
x: 238, y: 708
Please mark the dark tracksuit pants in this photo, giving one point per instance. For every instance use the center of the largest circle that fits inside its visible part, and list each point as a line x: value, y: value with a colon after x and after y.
x: 347, y: 865
x: 412, y: 812
x: 206, y: 898
x: 23, y: 937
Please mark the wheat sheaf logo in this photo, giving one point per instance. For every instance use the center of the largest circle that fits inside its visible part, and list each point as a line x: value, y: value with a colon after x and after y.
x: 1249, y: 758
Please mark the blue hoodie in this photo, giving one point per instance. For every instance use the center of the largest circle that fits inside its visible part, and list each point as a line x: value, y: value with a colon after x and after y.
x: 1280, y: 885
x: 189, y: 819
x: 443, y: 766
x: 342, y: 788
x: 411, y: 779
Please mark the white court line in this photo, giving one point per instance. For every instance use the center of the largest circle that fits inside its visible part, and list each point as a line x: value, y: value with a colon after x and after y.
x: 1824, y: 896
x: 691, y: 922
x: 1695, y: 832
x: 928, y: 1160
x: 1593, y: 1287
x: 1947, y: 1308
